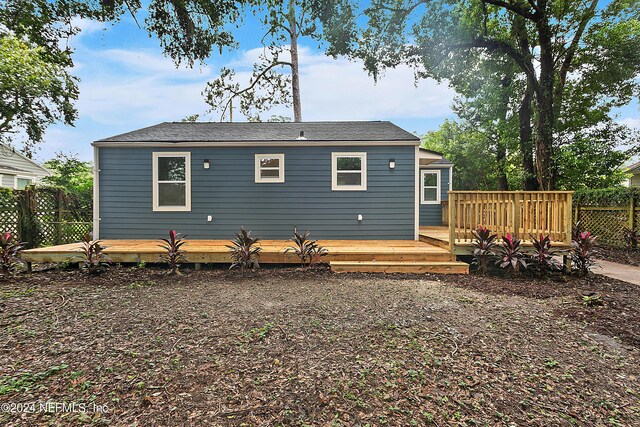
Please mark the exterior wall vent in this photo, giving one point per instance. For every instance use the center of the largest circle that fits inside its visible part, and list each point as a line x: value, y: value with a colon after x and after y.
x: 301, y: 137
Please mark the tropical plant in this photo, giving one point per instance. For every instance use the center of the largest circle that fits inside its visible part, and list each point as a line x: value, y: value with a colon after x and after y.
x: 583, y: 245
x: 631, y: 238
x: 245, y: 253
x: 307, y: 250
x: 510, y: 254
x: 9, y: 253
x: 173, y: 255
x: 483, y: 248
x: 543, y: 255
x: 93, y: 260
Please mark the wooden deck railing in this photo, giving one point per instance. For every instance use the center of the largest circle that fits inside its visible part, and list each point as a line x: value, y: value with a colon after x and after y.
x: 520, y: 213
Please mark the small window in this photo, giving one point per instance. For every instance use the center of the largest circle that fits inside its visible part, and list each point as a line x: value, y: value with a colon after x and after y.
x: 22, y: 183
x: 430, y: 183
x: 349, y: 171
x: 171, y: 181
x: 269, y: 168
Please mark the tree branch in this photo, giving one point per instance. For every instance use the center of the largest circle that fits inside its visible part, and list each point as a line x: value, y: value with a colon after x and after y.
x: 515, y: 8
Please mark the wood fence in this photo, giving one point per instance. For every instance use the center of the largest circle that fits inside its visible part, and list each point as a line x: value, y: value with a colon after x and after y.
x: 608, y: 222
x: 43, y: 216
x: 520, y: 213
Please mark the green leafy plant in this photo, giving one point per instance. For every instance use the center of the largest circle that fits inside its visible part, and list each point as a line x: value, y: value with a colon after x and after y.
x: 510, y: 254
x: 592, y: 300
x: 483, y: 248
x: 93, y: 260
x: 583, y: 250
x: 9, y: 253
x: 631, y: 238
x: 307, y: 250
x: 542, y: 259
x: 245, y: 253
x: 174, y: 254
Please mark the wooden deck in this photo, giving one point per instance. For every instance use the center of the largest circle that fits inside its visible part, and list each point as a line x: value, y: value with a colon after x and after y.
x: 344, y: 255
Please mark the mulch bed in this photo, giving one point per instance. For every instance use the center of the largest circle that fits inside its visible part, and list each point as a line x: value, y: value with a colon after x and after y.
x: 622, y: 256
x: 286, y: 347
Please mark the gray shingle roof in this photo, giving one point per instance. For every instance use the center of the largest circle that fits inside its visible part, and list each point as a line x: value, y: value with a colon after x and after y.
x: 270, y: 131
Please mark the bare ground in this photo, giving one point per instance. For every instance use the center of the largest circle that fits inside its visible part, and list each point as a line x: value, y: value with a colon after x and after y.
x: 282, y: 347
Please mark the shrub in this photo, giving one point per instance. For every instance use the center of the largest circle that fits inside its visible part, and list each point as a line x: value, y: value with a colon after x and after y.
x: 245, y: 253
x: 9, y: 253
x: 93, y: 260
x: 307, y: 250
x: 583, y: 252
x: 631, y: 238
x: 542, y: 258
x: 483, y: 248
x: 173, y: 255
x: 510, y: 254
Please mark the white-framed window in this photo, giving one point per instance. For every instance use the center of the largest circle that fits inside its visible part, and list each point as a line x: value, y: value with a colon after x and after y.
x: 269, y: 168
x: 21, y: 182
x: 172, y: 181
x: 348, y: 171
x: 429, y: 187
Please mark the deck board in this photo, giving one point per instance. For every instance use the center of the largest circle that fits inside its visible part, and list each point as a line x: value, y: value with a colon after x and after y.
x: 273, y: 251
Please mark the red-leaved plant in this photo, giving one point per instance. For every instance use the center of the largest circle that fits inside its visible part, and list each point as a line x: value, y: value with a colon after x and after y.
x: 542, y: 258
x: 510, y: 254
x: 244, y: 251
x: 173, y: 255
x: 93, y: 259
x: 583, y: 245
x: 9, y: 252
x: 307, y: 250
x: 483, y: 248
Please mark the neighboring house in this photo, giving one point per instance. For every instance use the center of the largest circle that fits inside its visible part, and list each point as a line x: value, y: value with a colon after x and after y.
x: 340, y: 180
x: 634, y: 180
x: 17, y: 171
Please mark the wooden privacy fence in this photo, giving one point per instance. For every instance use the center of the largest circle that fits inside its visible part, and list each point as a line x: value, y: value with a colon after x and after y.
x: 44, y: 216
x: 608, y: 222
x: 520, y: 213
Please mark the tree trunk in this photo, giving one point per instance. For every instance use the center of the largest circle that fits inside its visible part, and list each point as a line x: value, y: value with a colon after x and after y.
x: 501, y: 159
x: 295, y: 74
x: 545, y: 108
x: 529, y: 182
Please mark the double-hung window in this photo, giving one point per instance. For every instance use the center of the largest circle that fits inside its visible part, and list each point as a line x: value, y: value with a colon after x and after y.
x: 171, y: 181
x: 430, y: 187
x: 348, y: 171
x: 269, y: 168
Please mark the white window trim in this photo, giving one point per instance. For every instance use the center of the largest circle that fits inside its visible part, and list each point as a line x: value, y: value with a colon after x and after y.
x: 187, y: 163
x: 280, y: 168
x: 32, y: 180
x: 334, y: 172
x: 438, y: 187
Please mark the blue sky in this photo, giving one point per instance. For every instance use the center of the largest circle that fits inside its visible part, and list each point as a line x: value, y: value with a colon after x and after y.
x: 126, y: 83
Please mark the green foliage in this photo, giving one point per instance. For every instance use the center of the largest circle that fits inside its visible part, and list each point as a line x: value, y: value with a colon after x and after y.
x: 10, y: 251
x: 27, y: 381
x: 592, y: 300
x: 174, y: 254
x: 35, y: 92
x: 616, y: 196
x: 308, y: 251
x: 72, y: 174
x: 244, y: 251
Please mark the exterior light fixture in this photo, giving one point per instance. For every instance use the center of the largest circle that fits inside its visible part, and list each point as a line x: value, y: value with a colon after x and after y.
x: 360, y: 217
x: 207, y: 164
x: 392, y: 163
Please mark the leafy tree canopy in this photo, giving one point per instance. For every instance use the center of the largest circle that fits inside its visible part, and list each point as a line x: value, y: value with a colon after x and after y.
x: 72, y: 174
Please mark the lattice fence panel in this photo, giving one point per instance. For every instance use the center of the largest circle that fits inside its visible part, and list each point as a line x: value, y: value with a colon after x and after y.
x: 9, y: 215
x: 607, y: 224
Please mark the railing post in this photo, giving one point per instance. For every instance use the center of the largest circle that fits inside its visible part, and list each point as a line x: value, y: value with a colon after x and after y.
x: 452, y: 219
x: 568, y: 224
x: 517, y: 218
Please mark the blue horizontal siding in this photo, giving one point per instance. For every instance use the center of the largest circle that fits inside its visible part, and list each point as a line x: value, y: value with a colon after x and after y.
x: 227, y: 191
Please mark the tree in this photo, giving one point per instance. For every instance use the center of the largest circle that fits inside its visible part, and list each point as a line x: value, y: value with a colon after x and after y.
x: 72, y: 174
x: 565, y: 51
x: 34, y: 93
x: 284, y: 23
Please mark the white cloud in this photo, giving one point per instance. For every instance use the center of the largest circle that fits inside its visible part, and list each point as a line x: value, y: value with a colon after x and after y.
x: 632, y: 122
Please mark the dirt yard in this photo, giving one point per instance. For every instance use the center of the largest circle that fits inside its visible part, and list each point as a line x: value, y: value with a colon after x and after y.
x: 283, y: 347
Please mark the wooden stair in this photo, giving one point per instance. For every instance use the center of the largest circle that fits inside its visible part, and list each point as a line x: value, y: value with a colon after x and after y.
x: 438, y: 267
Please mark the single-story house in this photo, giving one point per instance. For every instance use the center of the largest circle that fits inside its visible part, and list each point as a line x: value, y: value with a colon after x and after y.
x: 340, y: 180
x: 17, y: 171
x: 634, y: 179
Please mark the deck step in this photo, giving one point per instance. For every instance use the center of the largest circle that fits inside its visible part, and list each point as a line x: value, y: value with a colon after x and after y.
x: 439, y: 267
x: 434, y: 241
